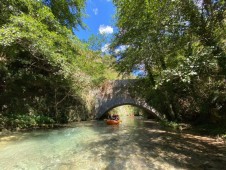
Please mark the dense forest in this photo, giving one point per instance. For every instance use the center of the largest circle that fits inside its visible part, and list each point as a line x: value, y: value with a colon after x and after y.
x: 177, y: 46
x: 180, y: 47
x: 45, y: 70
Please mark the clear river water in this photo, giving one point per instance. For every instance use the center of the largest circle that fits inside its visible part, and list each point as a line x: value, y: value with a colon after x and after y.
x: 134, y: 144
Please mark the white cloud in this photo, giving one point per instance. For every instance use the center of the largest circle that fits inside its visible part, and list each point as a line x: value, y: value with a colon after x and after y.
x: 121, y: 49
x: 105, y: 29
x: 105, y: 48
x: 95, y: 11
x: 199, y: 3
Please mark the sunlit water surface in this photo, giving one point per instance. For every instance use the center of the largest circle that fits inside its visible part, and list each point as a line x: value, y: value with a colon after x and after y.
x: 86, y: 146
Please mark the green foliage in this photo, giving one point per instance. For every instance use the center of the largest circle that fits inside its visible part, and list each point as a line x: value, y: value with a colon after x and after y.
x: 181, y: 52
x: 67, y: 12
x: 170, y: 124
x: 96, y: 41
x: 44, y: 68
x: 25, y: 121
x: 224, y: 136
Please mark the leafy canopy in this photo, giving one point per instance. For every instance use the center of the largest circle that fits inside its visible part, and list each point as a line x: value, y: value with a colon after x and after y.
x: 67, y: 12
x: 44, y: 69
x: 179, y: 45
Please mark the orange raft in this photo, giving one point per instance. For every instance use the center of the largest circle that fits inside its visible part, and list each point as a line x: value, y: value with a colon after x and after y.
x: 112, y: 122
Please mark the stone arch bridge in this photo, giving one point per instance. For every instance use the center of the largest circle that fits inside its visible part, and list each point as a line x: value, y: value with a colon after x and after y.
x: 117, y: 93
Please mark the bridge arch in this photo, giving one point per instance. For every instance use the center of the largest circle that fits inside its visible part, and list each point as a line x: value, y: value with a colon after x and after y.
x: 117, y: 93
x: 103, y: 111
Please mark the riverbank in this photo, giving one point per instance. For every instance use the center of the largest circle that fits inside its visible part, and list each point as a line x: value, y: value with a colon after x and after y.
x: 5, y: 132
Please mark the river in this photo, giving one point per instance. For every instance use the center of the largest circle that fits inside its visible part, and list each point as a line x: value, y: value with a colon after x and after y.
x: 134, y: 144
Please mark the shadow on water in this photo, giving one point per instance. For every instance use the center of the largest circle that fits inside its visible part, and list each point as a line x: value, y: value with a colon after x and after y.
x: 134, y: 144
x: 149, y: 146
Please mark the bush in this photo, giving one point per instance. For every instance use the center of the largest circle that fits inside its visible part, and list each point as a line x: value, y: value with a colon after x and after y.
x: 24, y: 121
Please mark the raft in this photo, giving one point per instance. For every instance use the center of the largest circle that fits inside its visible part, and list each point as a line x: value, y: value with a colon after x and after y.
x: 112, y: 122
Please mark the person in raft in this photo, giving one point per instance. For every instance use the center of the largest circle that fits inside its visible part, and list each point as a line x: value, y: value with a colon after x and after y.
x: 115, y: 117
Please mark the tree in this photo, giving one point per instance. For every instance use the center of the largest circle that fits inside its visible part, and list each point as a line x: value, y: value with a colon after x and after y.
x: 176, y: 43
x: 67, y: 12
x: 44, y: 69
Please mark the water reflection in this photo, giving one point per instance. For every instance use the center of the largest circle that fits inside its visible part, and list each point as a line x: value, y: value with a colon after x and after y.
x: 134, y: 144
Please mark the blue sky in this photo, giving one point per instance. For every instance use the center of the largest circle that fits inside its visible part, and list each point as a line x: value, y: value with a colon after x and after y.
x: 99, y: 20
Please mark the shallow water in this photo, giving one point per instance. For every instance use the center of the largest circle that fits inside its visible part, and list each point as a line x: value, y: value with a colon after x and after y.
x: 134, y: 144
